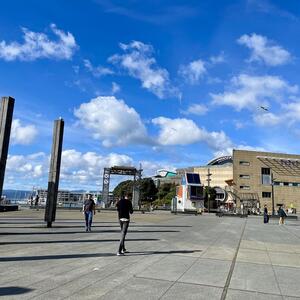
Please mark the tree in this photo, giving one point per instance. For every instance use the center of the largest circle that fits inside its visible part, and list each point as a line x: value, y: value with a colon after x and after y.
x: 210, y: 193
x: 148, y: 190
x: 124, y: 187
x: 166, y: 192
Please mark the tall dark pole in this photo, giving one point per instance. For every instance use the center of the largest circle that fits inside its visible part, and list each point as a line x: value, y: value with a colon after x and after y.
x: 208, y: 187
x: 6, y: 115
x: 272, y: 184
x: 58, y: 132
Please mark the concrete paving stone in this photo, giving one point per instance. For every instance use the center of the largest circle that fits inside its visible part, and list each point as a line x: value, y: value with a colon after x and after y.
x: 223, y: 253
x: 254, y: 277
x: 115, y: 280
x: 253, y: 256
x: 285, y: 259
x: 208, y: 272
x: 289, y: 280
x: 256, y: 245
x: 65, y: 263
x: 282, y: 247
x: 170, y: 268
x: 63, y: 288
x: 139, y: 288
x: 245, y: 295
x: 192, y: 292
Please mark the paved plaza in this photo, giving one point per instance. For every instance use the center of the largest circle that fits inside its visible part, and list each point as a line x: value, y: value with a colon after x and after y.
x: 171, y: 257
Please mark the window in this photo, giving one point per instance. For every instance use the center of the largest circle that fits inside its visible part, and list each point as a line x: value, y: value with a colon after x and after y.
x: 285, y: 183
x: 276, y: 183
x: 295, y: 184
x: 193, y: 178
x: 266, y: 171
x: 266, y: 194
x: 245, y: 187
x: 244, y: 163
x: 266, y: 176
x: 245, y: 176
x: 196, y: 192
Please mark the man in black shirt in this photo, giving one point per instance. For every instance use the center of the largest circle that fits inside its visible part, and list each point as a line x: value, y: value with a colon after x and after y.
x: 124, y: 207
x: 88, y: 210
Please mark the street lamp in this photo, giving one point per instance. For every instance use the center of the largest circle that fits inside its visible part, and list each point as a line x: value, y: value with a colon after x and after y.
x: 272, y: 185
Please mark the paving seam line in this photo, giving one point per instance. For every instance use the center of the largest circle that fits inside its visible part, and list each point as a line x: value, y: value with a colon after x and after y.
x: 78, y: 267
x: 157, y: 261
x: 83, y: 266
x: 75, y: 279
x: 111, y: 275
x: 227, y: 283
x: 197, y: 259
x: 274, y: 274
x: 53, y: 267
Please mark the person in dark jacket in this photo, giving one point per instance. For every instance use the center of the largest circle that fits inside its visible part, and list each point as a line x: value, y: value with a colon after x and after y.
x: 266, y: 215
x: 88, y: 211
x: 282, y: 215
x: 124, y: 207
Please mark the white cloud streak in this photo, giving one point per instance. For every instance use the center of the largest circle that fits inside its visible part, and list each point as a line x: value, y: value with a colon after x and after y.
x: 97, y: 71
x: 139, y: 62
x: 23, y: 135
x: 264, y: 50
x: 250, y: 92
x: 193, y: 71
x: 195, y: 109
x: 38, y: 45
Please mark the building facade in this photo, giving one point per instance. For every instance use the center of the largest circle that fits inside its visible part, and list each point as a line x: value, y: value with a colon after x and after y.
x: 251, y: 179
x: 267, y: 178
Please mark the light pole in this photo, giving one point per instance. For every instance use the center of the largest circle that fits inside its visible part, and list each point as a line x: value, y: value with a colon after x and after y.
x: 272, y: 185
x: 208, y: 188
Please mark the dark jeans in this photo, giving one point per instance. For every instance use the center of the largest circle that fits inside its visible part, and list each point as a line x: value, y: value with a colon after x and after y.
x: 88, y: 218
x: 124, y: 227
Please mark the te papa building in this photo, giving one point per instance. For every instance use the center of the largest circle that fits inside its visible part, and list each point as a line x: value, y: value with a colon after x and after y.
x: 250, y: 178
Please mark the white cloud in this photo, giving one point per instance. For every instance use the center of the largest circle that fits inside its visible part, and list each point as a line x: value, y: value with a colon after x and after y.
x: 97, y: 71
x: 217, y: 59
x: 250, y: 92
x: 27, y: 167
x: 112, y: 121
x: 196, y: 109
x: 78, y: 170
x: 23, y: 135
x: 39, y: 45
x: 115, y: 88
x: 138, y: 60
x: 267, y: 119
x: 193, y: 71
x: 264, y: 50
x: 185, y: 131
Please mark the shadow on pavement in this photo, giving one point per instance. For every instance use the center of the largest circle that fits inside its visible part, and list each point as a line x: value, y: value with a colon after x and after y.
x: 70, y: 256
x: 93, y: 231
x: 75, y: 241
x: 163, y: 252
x: 40, y: 225
x: 13, y: 290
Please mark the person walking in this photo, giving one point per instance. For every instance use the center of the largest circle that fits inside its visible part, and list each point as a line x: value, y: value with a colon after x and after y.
x: 124, y: 207
x: 266, y: 215
x: 88, y: 211
x: 36, y: 202
x: 282, y: 215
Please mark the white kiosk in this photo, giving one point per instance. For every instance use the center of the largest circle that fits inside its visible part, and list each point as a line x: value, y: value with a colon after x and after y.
x: 190, y: 194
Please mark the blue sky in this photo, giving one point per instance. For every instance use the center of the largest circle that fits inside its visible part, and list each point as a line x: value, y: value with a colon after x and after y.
x: 163, y: 83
